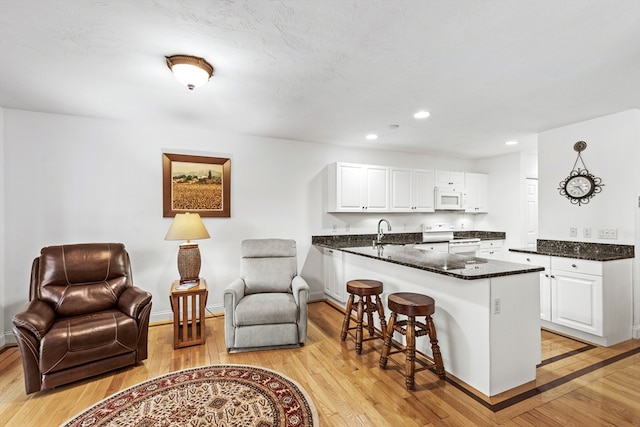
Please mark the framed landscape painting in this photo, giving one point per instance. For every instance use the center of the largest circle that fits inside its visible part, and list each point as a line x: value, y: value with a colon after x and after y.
x: 196, y: 184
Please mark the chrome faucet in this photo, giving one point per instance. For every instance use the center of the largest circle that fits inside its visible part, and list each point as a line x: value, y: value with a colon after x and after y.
x: 381, y: 231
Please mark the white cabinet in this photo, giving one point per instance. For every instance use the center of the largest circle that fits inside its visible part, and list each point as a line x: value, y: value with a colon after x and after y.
x: 357, y: 188
x: 334, y: 285
x: 545, y: 279
x: 411, y: 190
x: 476, y: 192
x: 589, y: 300
x: 438, y: 247
x: 491, y: 249
x: 576, y: 297
x: 449, y: 178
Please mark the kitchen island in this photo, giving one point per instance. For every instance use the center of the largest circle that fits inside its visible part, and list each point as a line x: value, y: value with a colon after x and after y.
x: 487, y: 311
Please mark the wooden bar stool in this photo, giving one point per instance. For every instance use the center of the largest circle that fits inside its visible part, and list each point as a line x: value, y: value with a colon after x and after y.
x: 364, y: 289
x: 412, y: 305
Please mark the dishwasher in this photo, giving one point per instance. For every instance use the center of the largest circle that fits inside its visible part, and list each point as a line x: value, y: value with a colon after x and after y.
x: 469, y: 247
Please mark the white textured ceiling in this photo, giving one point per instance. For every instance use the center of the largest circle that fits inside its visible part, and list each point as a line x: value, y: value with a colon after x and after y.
x: 331, y: 71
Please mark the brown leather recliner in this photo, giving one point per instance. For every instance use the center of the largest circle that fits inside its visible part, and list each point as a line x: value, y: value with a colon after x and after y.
x: 84, y: 316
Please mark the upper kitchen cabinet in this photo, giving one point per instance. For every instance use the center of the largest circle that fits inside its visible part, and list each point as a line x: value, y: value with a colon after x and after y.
x: 411, y: 190
x: 356, y: 187
x: 450, y: 178
x: 476, y: 192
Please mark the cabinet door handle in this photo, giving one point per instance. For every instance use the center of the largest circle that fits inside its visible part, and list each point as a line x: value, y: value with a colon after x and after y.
x: 546, y: 275
x: 553, y: 277
x: 574, y: 266
x: 528, y: 259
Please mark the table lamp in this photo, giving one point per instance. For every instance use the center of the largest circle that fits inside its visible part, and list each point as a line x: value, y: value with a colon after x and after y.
x: 188, y: 226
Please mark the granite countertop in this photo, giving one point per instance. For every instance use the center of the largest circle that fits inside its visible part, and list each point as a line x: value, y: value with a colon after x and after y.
x: 338, y: 241
x: 453, y: 265
x: 580, y: 250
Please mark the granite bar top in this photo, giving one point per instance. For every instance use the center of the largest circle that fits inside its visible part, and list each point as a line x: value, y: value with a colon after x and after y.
x: 580, y: 250
x: 353, y: 240
x: 453, y: 265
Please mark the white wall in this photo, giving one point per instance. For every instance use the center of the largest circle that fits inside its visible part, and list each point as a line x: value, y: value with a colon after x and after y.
x: 612, y: 154
x: 2, y: 236
x: 507, y: 196
x: 81, y: 180
x: 612, y: 143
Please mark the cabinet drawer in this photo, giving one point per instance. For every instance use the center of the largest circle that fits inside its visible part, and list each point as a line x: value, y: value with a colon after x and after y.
x: 438, y: 247
x: 577, y: 265
x: 532, y: 259
x: 491, y: 244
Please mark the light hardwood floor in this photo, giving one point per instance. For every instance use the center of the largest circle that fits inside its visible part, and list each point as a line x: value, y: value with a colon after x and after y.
x: 577, y: 384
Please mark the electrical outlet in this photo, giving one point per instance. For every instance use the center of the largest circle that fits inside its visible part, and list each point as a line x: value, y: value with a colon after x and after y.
x: 334, y: 227
x: 608, y: 233
x: 573, y: 232
x: 586, y: 232
x: 496, y: 306
x: 347, y: 228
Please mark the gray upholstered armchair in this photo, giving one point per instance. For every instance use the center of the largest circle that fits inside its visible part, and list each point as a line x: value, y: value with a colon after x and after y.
x: 267, y: 305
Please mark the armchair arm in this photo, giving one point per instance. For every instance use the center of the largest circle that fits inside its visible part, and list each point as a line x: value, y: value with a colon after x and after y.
x: 301, y: 295
x: 133, y: 300
x: 37, y: 318
x: 29, y: 326
x: 300, y: 290
x: 232, y: 295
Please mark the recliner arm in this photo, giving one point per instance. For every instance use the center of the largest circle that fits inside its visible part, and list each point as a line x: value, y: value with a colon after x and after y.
x: 133, y: 300
x: 29, y: 326
x: 298, y: 285
x: 300, y: 290
x: 234, y: 292
x: 37, y: 317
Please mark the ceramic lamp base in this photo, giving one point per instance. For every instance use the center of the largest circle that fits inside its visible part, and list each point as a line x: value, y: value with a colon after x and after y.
x: 189, y: 262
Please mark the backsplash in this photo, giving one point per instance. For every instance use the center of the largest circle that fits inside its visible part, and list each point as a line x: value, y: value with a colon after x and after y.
x: 359, y: 240
x: 484, y: 235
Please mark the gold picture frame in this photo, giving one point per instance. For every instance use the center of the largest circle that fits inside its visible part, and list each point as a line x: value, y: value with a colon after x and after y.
x: 197, y: 184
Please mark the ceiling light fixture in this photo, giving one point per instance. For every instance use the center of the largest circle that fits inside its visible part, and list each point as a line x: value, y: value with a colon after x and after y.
x: 372, y: 136
x: 422, y: 114
x: 511, y: 143
x: 191, y: 71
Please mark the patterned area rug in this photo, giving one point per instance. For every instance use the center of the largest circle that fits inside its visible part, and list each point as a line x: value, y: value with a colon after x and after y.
x: 219, y: 395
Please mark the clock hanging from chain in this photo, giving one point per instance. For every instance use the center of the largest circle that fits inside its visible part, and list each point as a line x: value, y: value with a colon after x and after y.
x: 580, y: 186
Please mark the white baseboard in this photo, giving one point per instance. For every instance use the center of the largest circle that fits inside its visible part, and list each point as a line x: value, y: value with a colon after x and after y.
x: 636, y: 332
x: 7, y: 338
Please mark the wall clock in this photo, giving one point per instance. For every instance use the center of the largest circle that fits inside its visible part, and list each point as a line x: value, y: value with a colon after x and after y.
x: 580, y: 186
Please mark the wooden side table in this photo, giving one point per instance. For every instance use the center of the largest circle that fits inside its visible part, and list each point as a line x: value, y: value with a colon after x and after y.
x: 188, y: 314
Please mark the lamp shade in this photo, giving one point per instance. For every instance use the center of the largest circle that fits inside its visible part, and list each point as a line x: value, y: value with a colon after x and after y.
x: 187, y: 226
x: 191, y: 71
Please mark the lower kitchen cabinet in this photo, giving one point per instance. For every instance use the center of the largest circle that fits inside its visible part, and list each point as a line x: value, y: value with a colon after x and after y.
x: 589, y: 300
x: 545, y: 279
x: 491, y: 249
x: 333, y: 270
x: 577, y: 301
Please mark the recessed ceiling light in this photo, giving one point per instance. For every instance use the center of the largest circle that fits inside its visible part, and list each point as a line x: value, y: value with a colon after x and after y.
x: 422, y: 114
x: 511, y: 143
x: 372, y: 136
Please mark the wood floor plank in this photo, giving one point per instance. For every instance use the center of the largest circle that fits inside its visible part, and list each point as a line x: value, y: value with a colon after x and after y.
x: 351, y: 390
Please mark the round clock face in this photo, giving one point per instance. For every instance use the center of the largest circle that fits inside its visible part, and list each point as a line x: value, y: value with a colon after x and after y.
x: 579, y: 186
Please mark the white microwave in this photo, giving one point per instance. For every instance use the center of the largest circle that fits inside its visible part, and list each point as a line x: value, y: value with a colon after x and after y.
x: 449, y: 198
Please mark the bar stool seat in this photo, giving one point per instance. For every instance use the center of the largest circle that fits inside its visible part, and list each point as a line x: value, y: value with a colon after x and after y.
x: 368, y: 301
x: 412, y: 305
